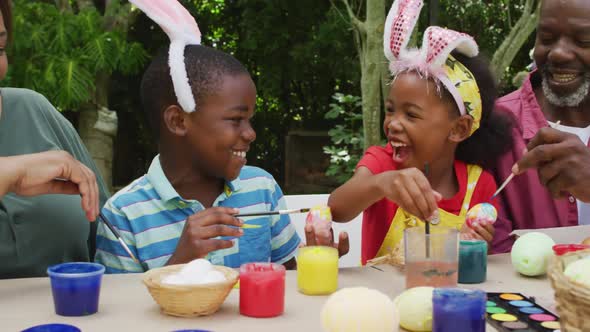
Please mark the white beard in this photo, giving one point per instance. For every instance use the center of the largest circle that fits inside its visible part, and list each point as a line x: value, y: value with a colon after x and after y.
x: 574, y: 99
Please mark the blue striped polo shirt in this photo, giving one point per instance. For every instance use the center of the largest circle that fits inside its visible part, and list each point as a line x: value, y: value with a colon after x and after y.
x: 150, y: 215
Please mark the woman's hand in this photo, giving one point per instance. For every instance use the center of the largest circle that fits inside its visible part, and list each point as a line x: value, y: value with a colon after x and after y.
x: 51, y: 172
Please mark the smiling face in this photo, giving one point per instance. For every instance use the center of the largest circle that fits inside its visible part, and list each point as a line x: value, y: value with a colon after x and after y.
x: 562, y: 51
x: 219, y: 133
x: 418, y: 123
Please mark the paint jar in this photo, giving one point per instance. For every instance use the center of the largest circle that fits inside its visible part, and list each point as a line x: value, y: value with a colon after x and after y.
x: 262, y: 289
x: 317, y: 270
x: 460, y: 310
x: 52, y: 328
x: 431, y: 259
x: 75, y: 288
x: 473, y: 261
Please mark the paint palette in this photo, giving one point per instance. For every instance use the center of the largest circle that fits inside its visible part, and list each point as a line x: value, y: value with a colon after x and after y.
x: 513, y: 312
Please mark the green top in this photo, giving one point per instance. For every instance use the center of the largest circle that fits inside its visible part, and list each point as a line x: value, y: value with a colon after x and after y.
x: 36, y: 232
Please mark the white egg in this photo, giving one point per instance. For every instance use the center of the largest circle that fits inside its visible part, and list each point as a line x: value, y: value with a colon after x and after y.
x: 198, y: 268
x: 174, y: 279
x: 213, y: 277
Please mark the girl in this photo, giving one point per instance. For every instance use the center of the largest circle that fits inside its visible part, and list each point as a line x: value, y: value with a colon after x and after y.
x: 440, y: 129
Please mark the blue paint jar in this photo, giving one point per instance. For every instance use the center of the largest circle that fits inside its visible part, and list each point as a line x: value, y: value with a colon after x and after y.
x: 52, y: 328
x: 473, y: 261
x: 458, y: 310
x: 75, y: 288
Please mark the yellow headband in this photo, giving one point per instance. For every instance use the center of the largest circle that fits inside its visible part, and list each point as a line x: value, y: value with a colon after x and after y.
x: 466, y: 92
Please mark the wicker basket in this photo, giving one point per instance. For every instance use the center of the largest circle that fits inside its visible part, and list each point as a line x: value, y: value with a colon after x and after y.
x: 188, y: 300
x: 573, y: 299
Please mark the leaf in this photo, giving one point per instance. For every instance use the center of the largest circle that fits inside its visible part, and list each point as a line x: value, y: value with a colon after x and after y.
x: 102, y: 52
x: 133, y: 59
x: 76, y: 86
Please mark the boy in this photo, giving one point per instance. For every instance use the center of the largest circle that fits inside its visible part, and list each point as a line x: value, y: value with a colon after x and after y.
x: 184, y: 207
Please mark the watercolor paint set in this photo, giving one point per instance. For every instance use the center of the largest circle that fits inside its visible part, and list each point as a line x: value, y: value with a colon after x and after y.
x: 514, y: 312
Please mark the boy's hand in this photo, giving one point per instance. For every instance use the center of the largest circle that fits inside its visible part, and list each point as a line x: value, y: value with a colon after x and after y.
x: 479, y: 232
x: 410, y: 189
x: 313, y: 238
x: 199, y: 236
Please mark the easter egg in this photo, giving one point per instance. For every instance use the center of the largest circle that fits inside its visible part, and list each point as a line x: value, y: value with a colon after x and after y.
x: 320, y: 217
x: 415, y: 308
x: 319, y: 213
x: 579, y: 271
x: 531, y: 252
x: 483, y: 213
x: 175, y: 279
x: 359, y: 309
x: 213, y: 277
x: 196, y: 268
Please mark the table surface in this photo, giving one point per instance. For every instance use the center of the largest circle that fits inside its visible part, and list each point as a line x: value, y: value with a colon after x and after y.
x: 125, y: 304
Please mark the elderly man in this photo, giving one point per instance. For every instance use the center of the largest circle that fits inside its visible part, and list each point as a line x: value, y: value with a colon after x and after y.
x: 552, y: 159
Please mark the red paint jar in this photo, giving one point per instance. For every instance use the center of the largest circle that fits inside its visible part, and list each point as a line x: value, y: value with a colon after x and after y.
x: 262, y: 289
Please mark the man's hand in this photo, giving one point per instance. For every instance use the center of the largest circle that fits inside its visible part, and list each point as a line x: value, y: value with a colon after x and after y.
x: 562, y: 162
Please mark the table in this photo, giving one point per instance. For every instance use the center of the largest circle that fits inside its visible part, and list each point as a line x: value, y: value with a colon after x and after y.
x: 125, y: 304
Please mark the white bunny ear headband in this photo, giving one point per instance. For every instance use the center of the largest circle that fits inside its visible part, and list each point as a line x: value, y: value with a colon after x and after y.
x: 182, y: 29
x: 434, y: 58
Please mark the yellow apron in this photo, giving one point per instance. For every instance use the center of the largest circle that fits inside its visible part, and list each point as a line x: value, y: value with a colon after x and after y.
x: 403, y: 219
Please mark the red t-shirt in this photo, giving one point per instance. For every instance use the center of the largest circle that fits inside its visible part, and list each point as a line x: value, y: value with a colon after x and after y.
x: 377, y: 217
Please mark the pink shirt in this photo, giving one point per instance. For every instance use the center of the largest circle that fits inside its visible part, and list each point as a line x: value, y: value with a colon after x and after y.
x: 525, y: 203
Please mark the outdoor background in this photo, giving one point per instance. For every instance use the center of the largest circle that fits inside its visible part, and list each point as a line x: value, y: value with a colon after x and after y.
x: 318, y: 66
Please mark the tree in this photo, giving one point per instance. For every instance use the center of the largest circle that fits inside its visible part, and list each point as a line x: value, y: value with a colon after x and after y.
x: 518, y: 35
x: 68, y: 51
x: 492, y: 25
x: 368, y: 37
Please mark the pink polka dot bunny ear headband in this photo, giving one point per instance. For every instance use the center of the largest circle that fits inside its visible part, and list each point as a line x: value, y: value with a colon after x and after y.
x: 433, y: 59
x: 182, y: 29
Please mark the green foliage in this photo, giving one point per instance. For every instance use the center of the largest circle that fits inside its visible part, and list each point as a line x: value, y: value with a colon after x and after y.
x: 489, y: 22
x: 347, y: 138
x: 299, y: 54
x: 58, y: 53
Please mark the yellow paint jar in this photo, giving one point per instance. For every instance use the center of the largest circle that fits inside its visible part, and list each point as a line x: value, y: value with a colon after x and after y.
x: 317, y: 270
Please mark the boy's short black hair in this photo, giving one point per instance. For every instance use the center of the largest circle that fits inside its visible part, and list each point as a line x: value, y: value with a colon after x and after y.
x: 494, y: 135
x: 205, y: 68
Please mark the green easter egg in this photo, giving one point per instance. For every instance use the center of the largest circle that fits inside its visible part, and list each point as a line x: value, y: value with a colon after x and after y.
x: 415, y: 308
x: 531, y: 252
x: 579, y: 271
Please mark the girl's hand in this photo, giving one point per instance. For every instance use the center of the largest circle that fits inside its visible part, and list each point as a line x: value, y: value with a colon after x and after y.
x: 410, y: 189
x: 316, y: 237
x: 479, y: 232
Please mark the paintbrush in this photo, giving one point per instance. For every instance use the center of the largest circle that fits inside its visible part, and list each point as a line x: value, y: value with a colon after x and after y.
x: 427, y: 223
x: 117, y: 235
x: 509, y: 178
x: 111, y: 227
x: 271, y: 213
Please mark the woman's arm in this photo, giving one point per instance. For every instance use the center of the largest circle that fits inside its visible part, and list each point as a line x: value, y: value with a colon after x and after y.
x: 51, y: 172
